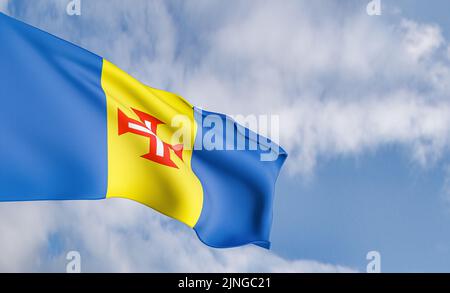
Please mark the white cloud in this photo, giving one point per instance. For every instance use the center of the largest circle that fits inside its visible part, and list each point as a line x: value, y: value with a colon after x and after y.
x: 4, y: 5
x: 25, y: 229
x: 421, y: 40
x: 343, y: 83
x: 333, y: 128
x: 122, y: 236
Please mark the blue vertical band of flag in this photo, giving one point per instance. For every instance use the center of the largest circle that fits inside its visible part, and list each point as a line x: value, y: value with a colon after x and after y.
x: 238, y: 188
x: 53, y: 117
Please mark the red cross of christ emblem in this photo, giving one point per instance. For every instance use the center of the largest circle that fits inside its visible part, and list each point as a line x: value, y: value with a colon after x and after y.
x: 159, y: 151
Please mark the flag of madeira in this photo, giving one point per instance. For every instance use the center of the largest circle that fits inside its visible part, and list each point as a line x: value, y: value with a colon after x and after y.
x: 74, y: 126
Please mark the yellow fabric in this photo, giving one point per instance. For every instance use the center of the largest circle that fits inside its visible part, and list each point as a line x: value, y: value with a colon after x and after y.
x: 175, y: 192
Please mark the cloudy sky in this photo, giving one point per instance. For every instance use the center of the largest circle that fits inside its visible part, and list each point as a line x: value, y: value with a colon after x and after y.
x: 364, y: 105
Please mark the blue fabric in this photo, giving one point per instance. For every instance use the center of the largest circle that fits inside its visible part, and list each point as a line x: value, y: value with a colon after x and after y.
x: 52, y: 117
x: 238, y: 190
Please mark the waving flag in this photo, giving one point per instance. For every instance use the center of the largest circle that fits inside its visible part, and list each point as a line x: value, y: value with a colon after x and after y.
x: 74, y: 126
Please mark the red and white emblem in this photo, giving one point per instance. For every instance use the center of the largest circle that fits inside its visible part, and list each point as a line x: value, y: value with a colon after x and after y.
x: 159, y: 151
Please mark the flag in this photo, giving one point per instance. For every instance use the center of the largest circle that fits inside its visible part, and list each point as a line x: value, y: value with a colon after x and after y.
x: 74, y: 126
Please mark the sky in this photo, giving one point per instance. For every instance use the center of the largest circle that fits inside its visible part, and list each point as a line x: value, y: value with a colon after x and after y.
x: 364, y: 112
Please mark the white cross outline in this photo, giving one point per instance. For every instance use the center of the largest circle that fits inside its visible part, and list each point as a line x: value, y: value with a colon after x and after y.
x: 148, y: 129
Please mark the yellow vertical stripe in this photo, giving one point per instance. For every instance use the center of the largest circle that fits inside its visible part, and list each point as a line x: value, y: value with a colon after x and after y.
x: 173, y: 191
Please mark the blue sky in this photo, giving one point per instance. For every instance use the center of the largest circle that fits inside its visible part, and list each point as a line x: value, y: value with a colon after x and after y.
x: 364, y: 106
x: 376, y: 201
